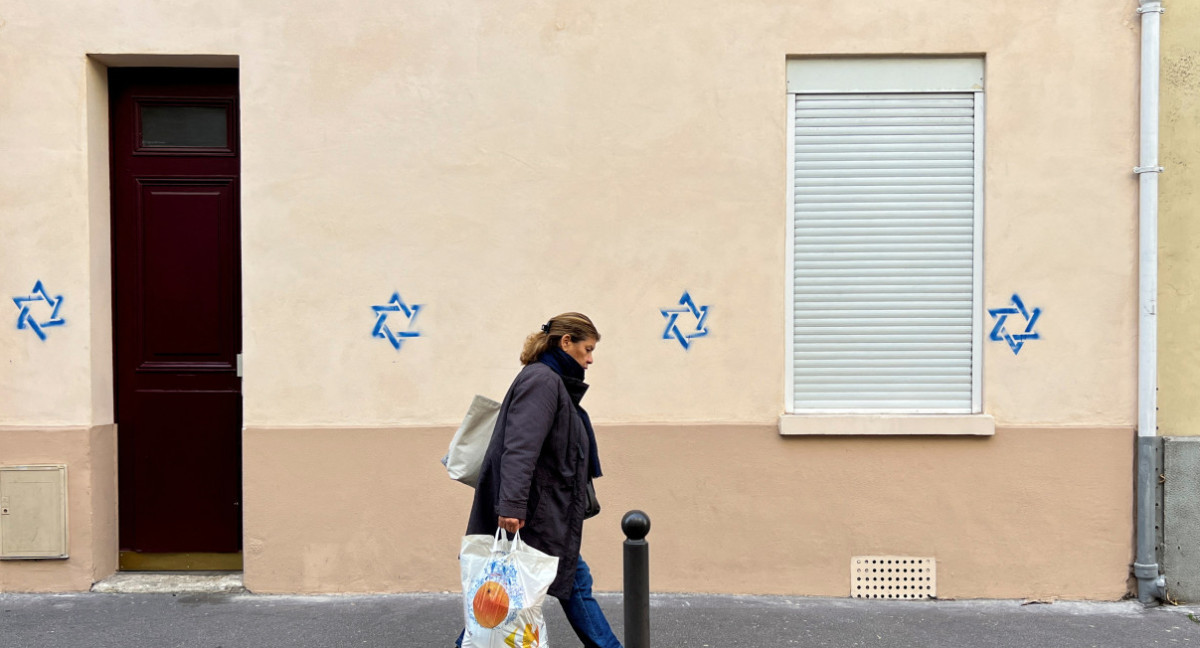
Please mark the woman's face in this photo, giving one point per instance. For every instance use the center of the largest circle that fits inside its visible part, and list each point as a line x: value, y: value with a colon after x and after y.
x: 581, y: 350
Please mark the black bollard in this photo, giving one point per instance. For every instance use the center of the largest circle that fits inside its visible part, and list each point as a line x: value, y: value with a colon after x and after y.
x: 636, y: 525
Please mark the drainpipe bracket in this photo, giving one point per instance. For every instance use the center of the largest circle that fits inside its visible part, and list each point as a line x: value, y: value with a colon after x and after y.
x: 1158, y: 9
x: 1148, y: 169
x: 1145, y: 572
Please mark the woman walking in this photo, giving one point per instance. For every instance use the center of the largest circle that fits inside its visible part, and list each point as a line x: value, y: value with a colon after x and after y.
x: 538, y: 470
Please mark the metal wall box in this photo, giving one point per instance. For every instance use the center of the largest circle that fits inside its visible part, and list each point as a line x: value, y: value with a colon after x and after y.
x: 33, y: 512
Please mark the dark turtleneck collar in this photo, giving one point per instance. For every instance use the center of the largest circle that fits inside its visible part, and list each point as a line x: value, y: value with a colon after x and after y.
x: 562, y: 363
x: 571, y: 373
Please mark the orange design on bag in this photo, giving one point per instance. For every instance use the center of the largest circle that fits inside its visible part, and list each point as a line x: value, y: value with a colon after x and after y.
x: 490, y: 604
x: 529, y: 640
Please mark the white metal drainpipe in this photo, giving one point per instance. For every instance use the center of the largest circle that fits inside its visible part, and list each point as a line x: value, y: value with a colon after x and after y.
x: 1151, y: 585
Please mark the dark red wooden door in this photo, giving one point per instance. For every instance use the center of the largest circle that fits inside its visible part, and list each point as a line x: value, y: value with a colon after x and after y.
x: 177, y: 308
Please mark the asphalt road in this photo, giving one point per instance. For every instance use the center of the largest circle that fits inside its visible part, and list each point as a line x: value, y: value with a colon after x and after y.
x: 701, y: 621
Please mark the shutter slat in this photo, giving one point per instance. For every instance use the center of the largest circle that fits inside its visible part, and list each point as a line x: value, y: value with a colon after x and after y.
x: 884, y: 405
x: 880, y: 177
x: 902, y: 237
x: 883, y: 101
x: 938, y: 284
x: 848, y: 392
x: 908, y: 133
x: 817, y: 177
x: 914, y: 199
x: 862, y: 344
x: 808, y: 189
x: 854, y: 323
x: 852, y: 268
x: 904, y: 355
x: 933, y: 300
x: 814, y: 115
x: 810, y: 282
x: 884, y: 226
x: 937, y: 366
x: 815, y: 119
x: 951, y: 233
x: 891, y: 203
x: 917, y: 141
x: 841, y: 158
x: 876, y: 166
x: 878, y: 264
x: 866, y: 150
x: 884, y: 386
x: 850, y: 400
x: 881, y: 225
x: 850, y: 246
x: 872, y: 315
x: 872, y: 217
x: 870, y: 334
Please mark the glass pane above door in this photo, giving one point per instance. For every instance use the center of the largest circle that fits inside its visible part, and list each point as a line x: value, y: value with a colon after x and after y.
x: 171, y: 126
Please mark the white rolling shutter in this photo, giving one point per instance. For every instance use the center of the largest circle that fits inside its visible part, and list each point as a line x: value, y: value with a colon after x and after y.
x: 884, y: 221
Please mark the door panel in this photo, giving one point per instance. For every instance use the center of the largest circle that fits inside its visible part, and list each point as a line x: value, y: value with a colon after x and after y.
x: 186, y: 272
x: 187, y: 471
x: 177, y: 308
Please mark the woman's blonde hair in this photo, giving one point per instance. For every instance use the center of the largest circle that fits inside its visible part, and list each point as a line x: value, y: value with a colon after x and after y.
x: 576, y: 325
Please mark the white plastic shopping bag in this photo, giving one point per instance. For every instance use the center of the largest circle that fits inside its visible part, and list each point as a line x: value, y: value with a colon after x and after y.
x: 471, y: 440
x: 504, y: 586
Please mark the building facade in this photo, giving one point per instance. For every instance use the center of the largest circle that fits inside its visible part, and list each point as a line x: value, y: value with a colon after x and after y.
x: 865, y: 277
x: 1178, y: 372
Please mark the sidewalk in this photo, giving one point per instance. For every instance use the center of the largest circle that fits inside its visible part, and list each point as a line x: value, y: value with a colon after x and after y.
x: 95, y: 620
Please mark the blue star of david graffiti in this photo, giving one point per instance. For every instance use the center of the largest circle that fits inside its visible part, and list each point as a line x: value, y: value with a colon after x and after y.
x: 26, y: 319
x: 395, y: 305
x: 686, y: 307
x: 1000, y: 331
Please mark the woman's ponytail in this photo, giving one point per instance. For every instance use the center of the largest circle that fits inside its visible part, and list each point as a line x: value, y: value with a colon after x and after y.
x: 535, y: 345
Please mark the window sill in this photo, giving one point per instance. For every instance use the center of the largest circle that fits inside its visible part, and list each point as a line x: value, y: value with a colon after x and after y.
x: 886, y: 425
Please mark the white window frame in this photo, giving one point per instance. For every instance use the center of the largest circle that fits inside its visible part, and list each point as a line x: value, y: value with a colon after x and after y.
x: 878, y: 75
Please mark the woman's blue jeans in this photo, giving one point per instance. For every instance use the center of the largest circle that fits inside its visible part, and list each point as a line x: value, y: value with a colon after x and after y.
x: 584, y: 613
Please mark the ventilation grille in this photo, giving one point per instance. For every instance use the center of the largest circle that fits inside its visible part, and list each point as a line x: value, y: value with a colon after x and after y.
x: 893, y: 577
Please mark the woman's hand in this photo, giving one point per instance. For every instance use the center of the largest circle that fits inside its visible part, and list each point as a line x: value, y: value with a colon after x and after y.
x: 510, y: 524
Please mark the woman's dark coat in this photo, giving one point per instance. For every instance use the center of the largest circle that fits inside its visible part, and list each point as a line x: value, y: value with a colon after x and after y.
x: 536, y: 469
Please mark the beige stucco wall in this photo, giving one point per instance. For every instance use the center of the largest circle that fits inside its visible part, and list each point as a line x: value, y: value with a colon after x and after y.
x: 90, y: 455
x: 498, y: 162
x: 1031, y: 512
x: 1179, y: 224
x: 607, y: 159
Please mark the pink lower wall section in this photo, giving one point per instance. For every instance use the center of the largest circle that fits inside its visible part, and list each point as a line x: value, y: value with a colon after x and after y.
x: 90, y: 454
x: 1030, y: 512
